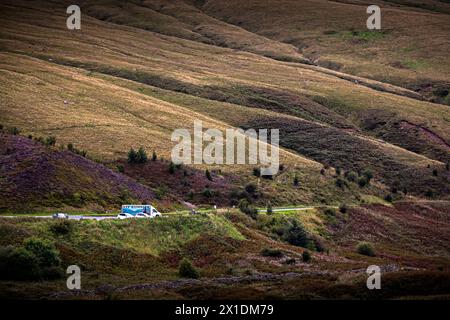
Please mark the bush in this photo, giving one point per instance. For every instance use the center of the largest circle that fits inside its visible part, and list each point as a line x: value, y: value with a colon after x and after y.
x: 343, y: 208
x: 276, y: 253
x: 365, y: 248
x: 120, y: 168
x: 351, y: 176
x: 296, y: 182
x: 269, y: 208
x: 50, y: 141
x: 388, y: 198
x: 247, y: 208
x: 18, y: 264
x: 171, y: 167
x: 14, y: 130
x: 435, y: 172
x: 368, y: 174
x: 61, y: 227
x: 45, y: 253
x: 250, y: 188
x: 340, y: 183
x: 256, y: 172
x: 132, y: 156
x: 141, y: 156
x: 207, y: 193
x: 187, y: 270
x: 306, y: 256
x: 330, y: 212
x: 208, y: 175
x: 362, y: 182
x: 296, y: 235
x: 154, y: 156
x: 338, y: 171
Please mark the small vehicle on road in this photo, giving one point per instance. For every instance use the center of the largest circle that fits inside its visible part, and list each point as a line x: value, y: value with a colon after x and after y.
x: 60, y: 215
x: 122, y: 216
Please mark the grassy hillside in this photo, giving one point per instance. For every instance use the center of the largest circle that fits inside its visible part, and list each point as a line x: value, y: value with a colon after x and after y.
x: 240, y: 257
x: 179, y: 65
x: 34, y: 178
x: 334, y: 35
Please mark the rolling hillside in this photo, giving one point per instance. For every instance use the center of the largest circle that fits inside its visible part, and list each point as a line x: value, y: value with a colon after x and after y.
x: 364, y: 172
x: 34, y: 177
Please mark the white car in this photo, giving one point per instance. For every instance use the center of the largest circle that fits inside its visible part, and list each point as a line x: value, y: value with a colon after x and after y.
x: 122, y: 216
x: 60, y: 215
x: 142, y: 215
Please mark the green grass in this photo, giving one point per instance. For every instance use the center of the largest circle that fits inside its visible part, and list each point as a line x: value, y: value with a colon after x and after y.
x: 150, y: 236
x: 368, y: 36
x: 416, y: 64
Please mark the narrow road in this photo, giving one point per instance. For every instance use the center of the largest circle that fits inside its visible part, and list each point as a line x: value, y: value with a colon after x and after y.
x: 90, y: 217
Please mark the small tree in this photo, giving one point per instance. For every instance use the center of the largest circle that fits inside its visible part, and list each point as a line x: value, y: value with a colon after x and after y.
x: 343, y: 208
x: 388, y: 198
x: 447, y: 166
x: 250, y: 188
x: 296, y: 235
x: 365, y: 248
x: 207, y: 192
x: 269, y: 208
x: 256, y: 172
x: 296, y: 180
x: 132, y: 156
x: 362, y: 182
x: 154, y: 157
x: 368, y: 174
x: 187, y: 270
x: 171, y: 167
x: 306, y: 256
x: 435, y: 172
x: 338, y: 171
x: 340, y: 183
x: 208, y: 175
x: 50, y: 141
x: 141, y: 156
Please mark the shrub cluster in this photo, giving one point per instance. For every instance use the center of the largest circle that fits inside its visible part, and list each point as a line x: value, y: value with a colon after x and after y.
x: 365, y: 248
x: 139, y: 156
x: 248, y: 209
x: 187, y: 270
x: 35, y: 260
x: 267, y: 252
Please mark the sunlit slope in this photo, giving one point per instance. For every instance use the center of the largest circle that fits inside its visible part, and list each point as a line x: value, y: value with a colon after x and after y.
x: 222, y: 74
x: 410, y: 50
x: 106, y: 120
x: 180, y: 19
x: 67, y: 83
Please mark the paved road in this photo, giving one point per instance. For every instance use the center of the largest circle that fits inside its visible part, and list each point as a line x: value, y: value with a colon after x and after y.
x: 70, y: 217
x: 80, y: 217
